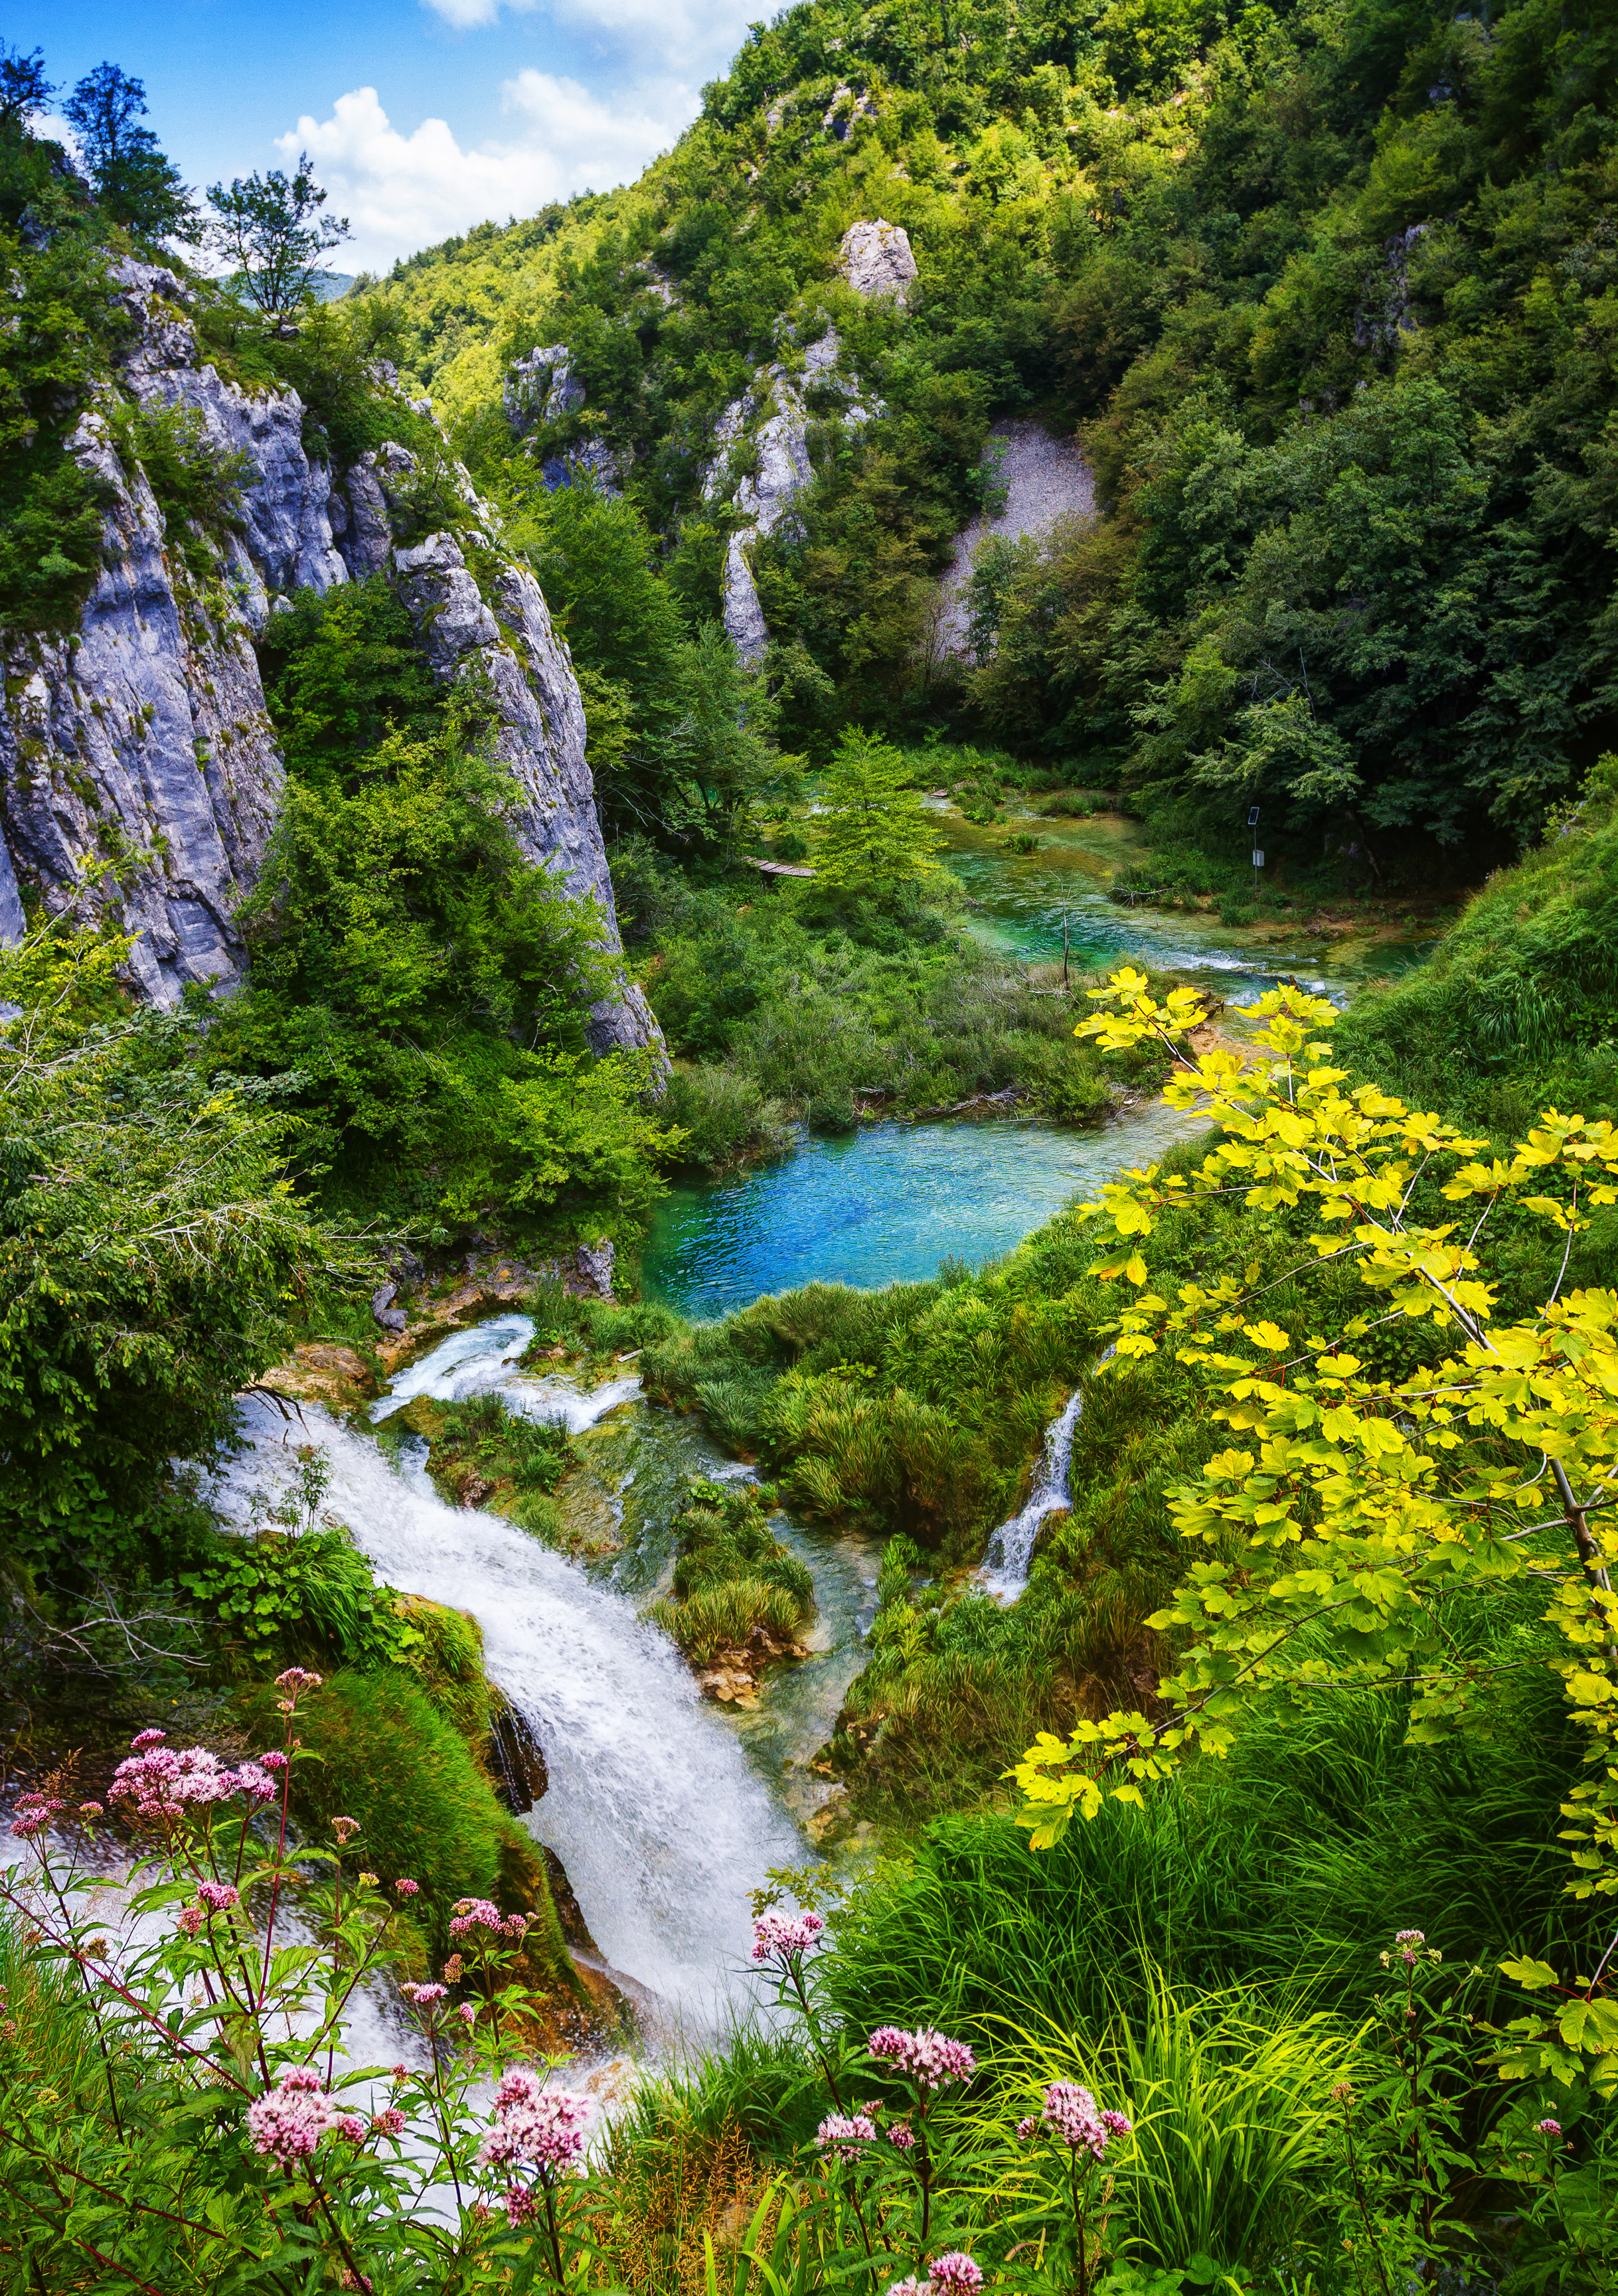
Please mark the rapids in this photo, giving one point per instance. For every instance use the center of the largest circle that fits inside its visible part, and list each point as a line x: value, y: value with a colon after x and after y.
x: 663, y: 1825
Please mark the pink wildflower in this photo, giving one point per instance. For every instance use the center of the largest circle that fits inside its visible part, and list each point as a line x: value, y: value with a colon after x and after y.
x: 902, y: 2135
x: 163, y: 1784
x: 143, y: 1739
x: 345, y: 1828
x: 467, y: 2012
x: 955, y: 2275
x: 289, y: 2121
x: 254, y: 1781
x: 1028, y: 2127
x: 536, y: 2126
x: 1069, y: 2112
x: 1549, y: 2128
x: 275, y: 1761
x: 783, y: 1937
x: 911, y: 2287
x: 521, y: 2206
x: 190, y: 1919
x: 390, y: 2122
x: 1117, y: 2124
x: 474, y: 1914
x: 353, y: 2128
x: 845, y: 2136
x: 931, y: 2058
x: 35, y: 1814
x: 407, y: 1889
x: 425, y: 1995
x: 218, y: 1897
x: 295, y: 1681
x: 91, y: 1810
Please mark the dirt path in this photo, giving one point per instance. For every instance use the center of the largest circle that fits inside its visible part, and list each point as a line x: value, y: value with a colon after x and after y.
x: 1043, y: 478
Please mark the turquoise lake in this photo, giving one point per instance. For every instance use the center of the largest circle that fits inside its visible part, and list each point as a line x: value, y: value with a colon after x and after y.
x: 892, y: 1201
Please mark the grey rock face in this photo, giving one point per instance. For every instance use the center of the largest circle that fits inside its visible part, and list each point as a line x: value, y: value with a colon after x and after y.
x: 542, y: 387
x: 541, y: 738
x: 592, y: 459
x: 289, y: 530
x: 875, y: 258
x: 773, y: 419
x: 144, y: 739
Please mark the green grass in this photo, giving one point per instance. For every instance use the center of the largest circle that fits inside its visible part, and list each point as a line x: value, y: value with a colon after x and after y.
x: 482, y: 1454
x: 732, y: 1579
x: 1518, y: 1008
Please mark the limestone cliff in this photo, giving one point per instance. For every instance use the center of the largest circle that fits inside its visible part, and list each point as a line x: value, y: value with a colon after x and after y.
x: 769, y: 424
x: 139, y: 771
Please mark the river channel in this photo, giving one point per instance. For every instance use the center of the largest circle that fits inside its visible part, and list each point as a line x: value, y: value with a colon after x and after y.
x: 666, y: 1810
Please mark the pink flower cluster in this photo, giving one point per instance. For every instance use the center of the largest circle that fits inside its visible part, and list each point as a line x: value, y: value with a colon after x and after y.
x: 218, y: 1897
x: 162, y: 1783
x: 544, y: 2128
x: 35, y: 1812
x: 474, y: 1914
x: 1070, y: 2114
x: 425, y: 1997
x: 931, y: 2058
x: 952, y: 2274
x: 845, y: 2136
x: 289, y: 2121
x: 783, y: 1936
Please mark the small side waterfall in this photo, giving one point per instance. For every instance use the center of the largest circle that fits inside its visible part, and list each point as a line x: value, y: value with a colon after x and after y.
x: 653, y: 1807
x: 1006, y: 1558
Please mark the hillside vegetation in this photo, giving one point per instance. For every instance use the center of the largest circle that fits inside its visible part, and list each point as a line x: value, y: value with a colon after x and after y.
x: 1260, y: 1857
x: 1329, y: 292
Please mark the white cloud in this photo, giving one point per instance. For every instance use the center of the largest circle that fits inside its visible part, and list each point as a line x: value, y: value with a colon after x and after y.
x: 401, y: 193
x: 700, y: 33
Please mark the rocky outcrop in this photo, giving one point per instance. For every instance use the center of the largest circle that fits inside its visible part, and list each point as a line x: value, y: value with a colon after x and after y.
x: 542, y: 390
x: 139, y: 773
x: 542, y: 387
x: 770, y: 424
x: 138, y: 768
x: 875, y: 258
x: 515, y: 654
x: 760, y: 443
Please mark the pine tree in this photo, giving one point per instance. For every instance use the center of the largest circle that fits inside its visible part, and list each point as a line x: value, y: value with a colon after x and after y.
x: 872, y: 831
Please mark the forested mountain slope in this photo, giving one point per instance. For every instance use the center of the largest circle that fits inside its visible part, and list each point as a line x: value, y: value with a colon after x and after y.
x: 1329, y: 291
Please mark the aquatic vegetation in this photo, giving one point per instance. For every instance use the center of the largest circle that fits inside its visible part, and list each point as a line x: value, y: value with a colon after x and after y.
x: 739, y: 1596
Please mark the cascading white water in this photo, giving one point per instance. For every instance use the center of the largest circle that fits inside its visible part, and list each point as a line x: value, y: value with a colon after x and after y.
x: 1009, y: 1554
x: 662, y: 1826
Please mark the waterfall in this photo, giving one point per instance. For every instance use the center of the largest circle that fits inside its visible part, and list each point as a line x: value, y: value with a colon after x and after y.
x: 1003, y: 1570
x: 652, y: 1809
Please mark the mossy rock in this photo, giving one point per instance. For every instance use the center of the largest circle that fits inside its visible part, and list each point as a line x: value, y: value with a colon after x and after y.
x: 387, y: 1758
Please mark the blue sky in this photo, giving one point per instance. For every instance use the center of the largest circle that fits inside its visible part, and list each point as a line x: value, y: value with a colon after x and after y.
x: 423, y: 117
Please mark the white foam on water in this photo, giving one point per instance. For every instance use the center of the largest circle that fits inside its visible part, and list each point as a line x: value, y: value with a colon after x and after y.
x: 653, y: 1807
x: 1010, y: 1552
